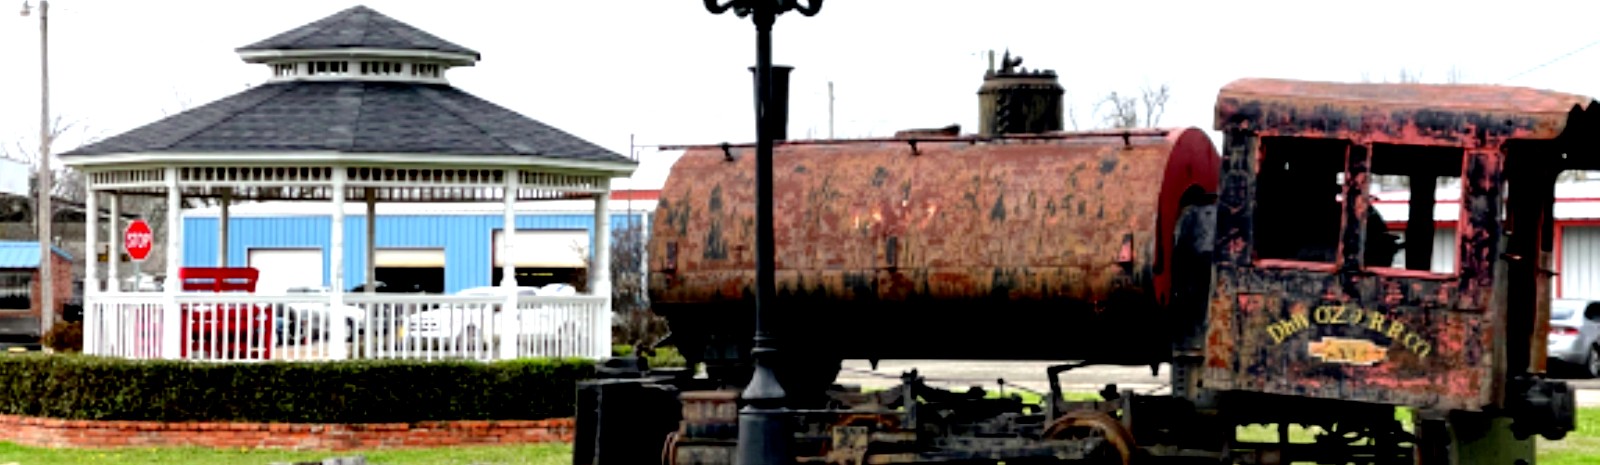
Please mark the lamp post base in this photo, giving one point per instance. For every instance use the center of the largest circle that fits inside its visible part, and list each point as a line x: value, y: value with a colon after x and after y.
x: 764, y: 436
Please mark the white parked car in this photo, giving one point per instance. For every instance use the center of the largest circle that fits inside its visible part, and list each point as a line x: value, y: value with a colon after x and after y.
x: 307, y: 320
x: 468, y: 322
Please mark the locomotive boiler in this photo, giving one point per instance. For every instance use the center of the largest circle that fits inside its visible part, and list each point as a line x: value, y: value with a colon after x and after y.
x: 1262, y: 276
x: 954, y: 244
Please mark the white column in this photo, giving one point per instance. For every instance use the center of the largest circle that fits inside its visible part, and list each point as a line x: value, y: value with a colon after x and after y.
x: 600, y: 274
x: 170, y: 316
x: 91, y: 241
x: 106, y: 318
x: 91, y: 269
x: 337, y: 332
x: 114, y: 254
x: 372, y: 241
x: 222, y: 228
x: 508, y: 267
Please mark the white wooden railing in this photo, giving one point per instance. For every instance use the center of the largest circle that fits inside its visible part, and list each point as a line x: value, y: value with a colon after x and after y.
x: 256, y: 327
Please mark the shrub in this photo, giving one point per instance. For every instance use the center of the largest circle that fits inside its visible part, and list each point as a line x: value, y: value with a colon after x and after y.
x: 97, y: 388
x: 665, y: 357
x: 65, y: 337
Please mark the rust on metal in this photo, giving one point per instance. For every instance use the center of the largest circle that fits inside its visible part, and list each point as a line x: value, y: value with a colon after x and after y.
x: 867, y: 228
x: 1351, y: 329
x: 1418, y: 114
x: 1082, y: 424
x: 962, y: 212
x: 945, y: 134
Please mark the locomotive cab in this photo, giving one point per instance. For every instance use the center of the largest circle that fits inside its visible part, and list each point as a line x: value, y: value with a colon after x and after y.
x: 1391, y: 244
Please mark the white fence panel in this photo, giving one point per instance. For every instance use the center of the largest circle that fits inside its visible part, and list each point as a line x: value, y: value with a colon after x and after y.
x: 244, y: 327
x: 123, y: 325
x: 239, y: 327
x: 427, y: 327
x: 561, y: 327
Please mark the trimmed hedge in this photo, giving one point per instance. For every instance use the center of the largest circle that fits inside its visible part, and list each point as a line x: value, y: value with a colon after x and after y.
x: 389, y: 391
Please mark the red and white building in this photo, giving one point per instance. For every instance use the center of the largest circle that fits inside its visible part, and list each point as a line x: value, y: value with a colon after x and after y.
x: 1575, y: 254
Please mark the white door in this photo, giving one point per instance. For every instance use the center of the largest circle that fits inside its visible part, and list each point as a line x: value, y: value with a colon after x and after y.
x: 282, y: 269
x: 1580, y: 262
x: 544, y: 248
x: 408, y: 258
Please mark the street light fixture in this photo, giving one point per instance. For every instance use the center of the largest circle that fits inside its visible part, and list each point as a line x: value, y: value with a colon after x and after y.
x: 764, y: 435
x: 44, y: 213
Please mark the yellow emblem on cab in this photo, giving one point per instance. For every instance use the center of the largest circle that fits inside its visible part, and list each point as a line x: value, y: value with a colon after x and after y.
x: 1347, y: 351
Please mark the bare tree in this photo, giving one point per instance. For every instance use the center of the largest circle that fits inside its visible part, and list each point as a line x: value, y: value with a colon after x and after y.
x: 632, y: 321
x: 1072, y: 114
x: 1125, y: 112
x: 1155, y: 104
x: 67, y: 184
x: 180, y: 103
x: 1409, y: 77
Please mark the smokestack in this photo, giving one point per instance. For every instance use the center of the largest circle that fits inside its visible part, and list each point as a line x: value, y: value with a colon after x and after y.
x: 1013, y: 100
x: 779, y: 106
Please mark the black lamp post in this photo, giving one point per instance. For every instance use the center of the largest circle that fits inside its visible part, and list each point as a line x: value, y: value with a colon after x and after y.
x: 764, y: 435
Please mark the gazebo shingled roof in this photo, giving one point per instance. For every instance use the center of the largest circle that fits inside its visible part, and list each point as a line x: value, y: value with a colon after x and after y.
x: 354, y: 116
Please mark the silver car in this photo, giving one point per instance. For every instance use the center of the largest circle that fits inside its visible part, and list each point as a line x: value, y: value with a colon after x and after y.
x: 463, y: 322
x: 1574, y: 327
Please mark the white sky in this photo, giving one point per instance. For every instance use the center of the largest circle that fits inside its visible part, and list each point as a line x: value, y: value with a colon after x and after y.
x: 668, y: 72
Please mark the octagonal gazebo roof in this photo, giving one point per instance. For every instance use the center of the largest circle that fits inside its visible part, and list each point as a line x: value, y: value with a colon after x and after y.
x: 353, y: 117
x: 362, y: 92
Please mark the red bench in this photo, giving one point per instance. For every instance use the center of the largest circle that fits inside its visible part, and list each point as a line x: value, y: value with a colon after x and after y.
x: 227, y: 331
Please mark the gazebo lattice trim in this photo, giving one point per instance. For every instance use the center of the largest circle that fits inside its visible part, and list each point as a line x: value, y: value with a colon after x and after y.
x: 391, y: 184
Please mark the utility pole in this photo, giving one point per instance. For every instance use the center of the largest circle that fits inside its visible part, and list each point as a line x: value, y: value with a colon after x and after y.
x: 764, y: 433
x: 45, y: 212
x: 830, y: 109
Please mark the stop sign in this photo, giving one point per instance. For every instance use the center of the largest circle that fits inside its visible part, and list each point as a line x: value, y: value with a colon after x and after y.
x: 137, y: 240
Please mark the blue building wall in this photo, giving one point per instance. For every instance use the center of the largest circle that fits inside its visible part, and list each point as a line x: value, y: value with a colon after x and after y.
x: 467, y: 240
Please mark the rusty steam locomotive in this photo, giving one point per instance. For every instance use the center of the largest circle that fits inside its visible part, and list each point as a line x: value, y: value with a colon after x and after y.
x: 1262, y: 276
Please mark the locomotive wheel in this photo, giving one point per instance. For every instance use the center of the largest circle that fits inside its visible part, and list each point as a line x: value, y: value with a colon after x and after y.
x: 1084, y: 424
x: 677, y: 450
x: 669, y: 449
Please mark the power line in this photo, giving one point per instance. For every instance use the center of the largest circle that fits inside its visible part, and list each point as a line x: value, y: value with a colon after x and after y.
x: 1557, y: 59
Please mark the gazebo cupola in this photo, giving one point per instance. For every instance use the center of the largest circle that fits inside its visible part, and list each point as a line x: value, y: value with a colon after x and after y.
x: 358, y: 43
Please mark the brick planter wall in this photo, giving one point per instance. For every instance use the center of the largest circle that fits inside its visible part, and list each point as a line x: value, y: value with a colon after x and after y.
x: 53, y: 432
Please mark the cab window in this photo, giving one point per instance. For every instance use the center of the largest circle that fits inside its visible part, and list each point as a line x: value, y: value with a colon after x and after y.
x: 1411, y: 189
x: 1299, y: 198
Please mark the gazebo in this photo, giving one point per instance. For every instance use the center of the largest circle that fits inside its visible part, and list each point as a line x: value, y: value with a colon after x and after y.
x: 357, y: 109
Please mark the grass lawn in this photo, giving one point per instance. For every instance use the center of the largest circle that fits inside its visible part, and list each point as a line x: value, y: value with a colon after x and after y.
x: 1580, y: 447
x: 537, y: 454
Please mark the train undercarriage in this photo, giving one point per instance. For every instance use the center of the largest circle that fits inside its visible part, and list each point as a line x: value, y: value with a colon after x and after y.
x: 694, y: 421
